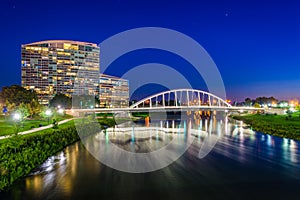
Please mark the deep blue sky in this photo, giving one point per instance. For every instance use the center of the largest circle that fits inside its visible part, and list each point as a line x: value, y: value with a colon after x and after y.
x: 255, y: 44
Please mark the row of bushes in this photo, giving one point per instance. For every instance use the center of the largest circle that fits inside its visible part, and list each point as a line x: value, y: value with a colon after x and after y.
x: 278, y: 126
x: 19, y: 155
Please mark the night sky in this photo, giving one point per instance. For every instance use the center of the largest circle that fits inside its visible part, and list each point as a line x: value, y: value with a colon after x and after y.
x: 255, y: 45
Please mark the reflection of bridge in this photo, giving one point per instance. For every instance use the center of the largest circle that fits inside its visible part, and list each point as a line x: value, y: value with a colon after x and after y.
x: 155, y: 131
x: 176, y: 100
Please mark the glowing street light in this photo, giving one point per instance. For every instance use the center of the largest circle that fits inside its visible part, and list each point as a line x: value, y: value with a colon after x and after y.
x: 292, y: 109
x: 17, y: 116
x: 48, y: 114
x: 60, y: 111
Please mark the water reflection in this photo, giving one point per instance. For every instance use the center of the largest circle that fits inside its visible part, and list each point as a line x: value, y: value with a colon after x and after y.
x: 61, y: 172
x: 138, y: 137
x: 241, y: 160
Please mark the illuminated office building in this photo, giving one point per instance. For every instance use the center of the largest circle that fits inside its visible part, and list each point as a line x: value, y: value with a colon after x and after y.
x: 52, y: 66
x: 114, y: 91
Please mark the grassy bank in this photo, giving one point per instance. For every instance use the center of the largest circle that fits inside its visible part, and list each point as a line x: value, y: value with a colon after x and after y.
x: 287, y: 126
x: 8, y: 126
x: 20, y: 154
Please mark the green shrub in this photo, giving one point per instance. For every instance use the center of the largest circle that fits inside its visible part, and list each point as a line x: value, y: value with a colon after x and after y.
x: 279, y: 125
x: 19, y: 155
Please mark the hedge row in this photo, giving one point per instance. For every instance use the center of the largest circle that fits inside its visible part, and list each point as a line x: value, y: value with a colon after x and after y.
x: 21, y: 154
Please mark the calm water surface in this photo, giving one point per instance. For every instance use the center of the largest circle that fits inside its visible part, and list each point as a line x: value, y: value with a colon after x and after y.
x: 242, y: 165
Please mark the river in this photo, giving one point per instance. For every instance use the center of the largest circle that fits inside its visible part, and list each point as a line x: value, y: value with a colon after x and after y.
x: 243, y: 164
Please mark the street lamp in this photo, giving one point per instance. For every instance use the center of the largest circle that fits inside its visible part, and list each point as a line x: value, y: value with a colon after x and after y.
x: 17, y: 117
x: 48, y: 114
x: 60, y: 111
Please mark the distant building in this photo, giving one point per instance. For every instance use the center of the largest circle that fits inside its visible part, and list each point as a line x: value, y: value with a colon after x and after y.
x: 114, y: 91
x: 51, y: 67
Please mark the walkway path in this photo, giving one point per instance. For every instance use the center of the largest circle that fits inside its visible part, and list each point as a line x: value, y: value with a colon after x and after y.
x: 37, y: 129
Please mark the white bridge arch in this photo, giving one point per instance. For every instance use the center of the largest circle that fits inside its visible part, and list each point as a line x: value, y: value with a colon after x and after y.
x: 181, y: 98
x: 174, y: 100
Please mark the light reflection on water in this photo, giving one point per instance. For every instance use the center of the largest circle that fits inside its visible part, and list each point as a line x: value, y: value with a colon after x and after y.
x: 242, y: 160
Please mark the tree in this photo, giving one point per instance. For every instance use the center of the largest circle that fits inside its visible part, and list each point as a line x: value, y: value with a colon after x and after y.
x: 46, y: 115
x: 16, y: 94
x: 23, y: 110
x: 10, y: 106
x: 18, y: 98
x: 61, y: 100
x: 34, y: 108
x: 266, y: 100
x: 43, y: 112
x: 248, y: 102
x: 256, y: 105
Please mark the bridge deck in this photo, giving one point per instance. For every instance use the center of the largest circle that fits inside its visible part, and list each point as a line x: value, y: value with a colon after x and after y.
x: 167, y: 109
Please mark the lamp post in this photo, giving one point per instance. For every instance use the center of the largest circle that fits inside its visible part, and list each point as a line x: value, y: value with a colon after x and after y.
x: 17, y: 118
x: 48, y: 114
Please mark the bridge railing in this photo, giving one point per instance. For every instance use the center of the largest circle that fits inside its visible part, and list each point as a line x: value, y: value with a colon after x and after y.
x: 181, y: 98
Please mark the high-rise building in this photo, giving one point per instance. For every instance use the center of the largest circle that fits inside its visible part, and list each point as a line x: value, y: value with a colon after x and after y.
x: 114, y: 91
x: 54, y: 66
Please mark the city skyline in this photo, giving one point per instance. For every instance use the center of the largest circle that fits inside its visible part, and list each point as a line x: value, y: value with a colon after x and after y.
x: 254, y: 45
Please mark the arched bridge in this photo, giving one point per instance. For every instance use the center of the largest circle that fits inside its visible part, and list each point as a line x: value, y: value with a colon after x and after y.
x: 181, y: 98
x: 176, y: 100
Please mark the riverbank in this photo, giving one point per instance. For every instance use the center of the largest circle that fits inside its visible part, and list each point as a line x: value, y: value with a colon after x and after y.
x: 36, y: 129
x: 9, y: 127
x: 20, y: 154
x: 287, y: 126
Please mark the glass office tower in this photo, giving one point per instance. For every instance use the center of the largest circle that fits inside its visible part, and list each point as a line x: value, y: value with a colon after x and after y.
x: 55, y: 66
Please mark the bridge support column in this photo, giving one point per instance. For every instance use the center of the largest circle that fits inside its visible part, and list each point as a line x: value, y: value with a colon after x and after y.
x: 188, y: 98
x: 175, y: 95
x: 199, y: 102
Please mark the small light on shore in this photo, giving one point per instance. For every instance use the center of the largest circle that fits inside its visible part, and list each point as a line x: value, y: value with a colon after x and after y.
x: 48, y: 112
x: 60, y: 111
x: 17, y: 116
